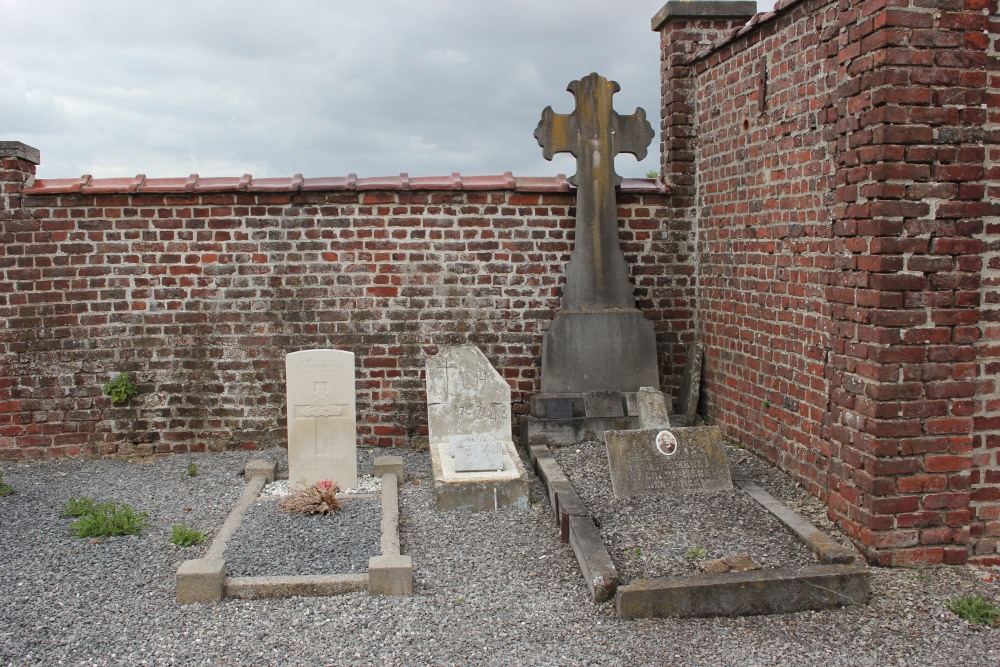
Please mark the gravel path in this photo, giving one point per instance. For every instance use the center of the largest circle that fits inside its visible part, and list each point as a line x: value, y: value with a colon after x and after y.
x: 495, y: 588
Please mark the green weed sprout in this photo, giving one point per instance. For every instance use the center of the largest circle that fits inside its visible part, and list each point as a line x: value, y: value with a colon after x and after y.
x: 184, y: 536
x: 120, y: 389
x: 5, y: 489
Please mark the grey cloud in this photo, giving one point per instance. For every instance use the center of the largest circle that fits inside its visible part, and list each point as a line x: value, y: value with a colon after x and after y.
x: 323, y: 88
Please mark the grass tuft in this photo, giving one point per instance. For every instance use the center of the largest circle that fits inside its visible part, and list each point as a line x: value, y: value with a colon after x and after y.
x: 975, y: 609
x: 184, y: 536
x: 103, y: 519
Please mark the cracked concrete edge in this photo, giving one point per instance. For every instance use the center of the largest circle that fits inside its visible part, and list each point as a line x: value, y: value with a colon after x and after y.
x: 253, y: 588
x: 576, y: 525
x: 827, y: 549
x: 756, y: 592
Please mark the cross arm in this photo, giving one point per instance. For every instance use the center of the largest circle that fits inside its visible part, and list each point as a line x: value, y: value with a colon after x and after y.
x: 556, y: 133
x: 632, y: 134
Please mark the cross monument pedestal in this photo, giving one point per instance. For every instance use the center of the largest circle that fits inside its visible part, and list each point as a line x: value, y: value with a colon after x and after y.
x: 599, y: 342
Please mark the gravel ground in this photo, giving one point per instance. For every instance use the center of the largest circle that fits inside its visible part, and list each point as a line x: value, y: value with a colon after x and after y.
x: 271, y: 541
x: 494, y: 588
x: 657, y: 536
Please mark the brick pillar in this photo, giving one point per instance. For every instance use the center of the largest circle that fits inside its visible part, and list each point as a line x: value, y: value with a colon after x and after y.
x: 684, y: 28
x: 910, y: 395
x: 17, y: 167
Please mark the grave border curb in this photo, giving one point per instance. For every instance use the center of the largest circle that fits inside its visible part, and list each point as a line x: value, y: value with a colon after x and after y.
x: 204, y: 579
x: 834, y: 582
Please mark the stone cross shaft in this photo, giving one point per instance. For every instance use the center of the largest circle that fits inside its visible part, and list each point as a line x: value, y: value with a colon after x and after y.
x: 597, y: 275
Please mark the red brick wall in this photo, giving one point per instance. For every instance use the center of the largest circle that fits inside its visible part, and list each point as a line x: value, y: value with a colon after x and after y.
x: 985, y: 505
x: 846, y: 263
x: 199, y: 297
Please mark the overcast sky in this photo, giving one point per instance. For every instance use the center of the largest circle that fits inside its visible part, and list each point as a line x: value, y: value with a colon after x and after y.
x: 323, y: 88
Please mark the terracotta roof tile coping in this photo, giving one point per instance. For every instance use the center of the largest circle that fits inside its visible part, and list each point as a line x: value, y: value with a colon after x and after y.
x: 194, y: 183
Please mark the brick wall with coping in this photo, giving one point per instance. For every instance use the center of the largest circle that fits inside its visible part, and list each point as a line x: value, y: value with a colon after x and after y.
x: 198, y: 288
x: 845, y: 272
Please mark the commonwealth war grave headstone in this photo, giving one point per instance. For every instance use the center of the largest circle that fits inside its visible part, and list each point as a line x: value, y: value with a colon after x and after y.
x: 321, y: 417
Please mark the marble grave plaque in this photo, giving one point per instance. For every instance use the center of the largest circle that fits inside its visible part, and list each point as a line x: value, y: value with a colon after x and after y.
x: 661, y: 462
x: 321, y: 418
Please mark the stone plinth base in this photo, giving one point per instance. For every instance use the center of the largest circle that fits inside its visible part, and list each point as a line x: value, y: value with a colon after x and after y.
x: 562, y: 432
x: 478, y: 491
x: 599, y: 350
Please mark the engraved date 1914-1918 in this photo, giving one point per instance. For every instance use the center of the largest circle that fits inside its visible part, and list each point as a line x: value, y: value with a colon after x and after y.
x: 488, y: 411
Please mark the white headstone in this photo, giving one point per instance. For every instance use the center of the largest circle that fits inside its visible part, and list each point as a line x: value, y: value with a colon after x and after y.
x: 322, y: 423
x: 468, y: 408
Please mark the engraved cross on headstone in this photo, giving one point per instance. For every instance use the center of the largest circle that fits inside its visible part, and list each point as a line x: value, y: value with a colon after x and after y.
x: 597, y: 276
x: 321, y: 411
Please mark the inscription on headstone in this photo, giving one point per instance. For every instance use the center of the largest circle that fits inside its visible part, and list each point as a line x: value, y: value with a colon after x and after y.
x: 559, y: 408
x: 468, y: 408
x: 645, y: 462
x: 322, y: 427
x: 476, y: 452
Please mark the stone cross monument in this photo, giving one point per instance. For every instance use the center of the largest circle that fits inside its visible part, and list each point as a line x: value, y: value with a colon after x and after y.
x: 599, y: 340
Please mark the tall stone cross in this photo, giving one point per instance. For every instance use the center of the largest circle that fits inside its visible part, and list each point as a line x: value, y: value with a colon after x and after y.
x: 597, y: 276
x: 598, y: 340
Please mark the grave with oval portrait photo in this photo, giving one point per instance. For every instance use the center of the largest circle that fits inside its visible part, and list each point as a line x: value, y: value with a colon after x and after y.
x: 664, y: 461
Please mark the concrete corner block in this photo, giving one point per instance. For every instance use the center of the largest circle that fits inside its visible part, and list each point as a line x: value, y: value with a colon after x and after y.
x: 201, y: 580
x: 20, y: 151
x: 695, y: 9
x: 261, y: 468
x: 390, y: 575
x: 389, y: 464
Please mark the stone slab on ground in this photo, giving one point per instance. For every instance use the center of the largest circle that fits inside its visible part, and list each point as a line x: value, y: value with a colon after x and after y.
x: 479, y: 491
x: 640, y: 464
x: 776, y: 591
